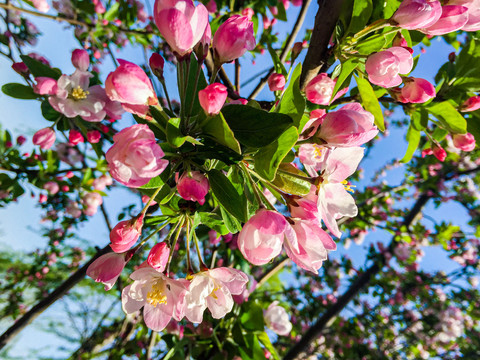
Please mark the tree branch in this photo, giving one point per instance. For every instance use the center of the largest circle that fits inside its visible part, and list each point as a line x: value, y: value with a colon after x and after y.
x: 362, y: 280
x: 288, y: 44
x: 317, y: 54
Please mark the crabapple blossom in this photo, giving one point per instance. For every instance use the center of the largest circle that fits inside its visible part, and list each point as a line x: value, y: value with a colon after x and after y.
x: 262, y: 236
x: 416, y: 14
x: 44, y: 138
x: 92, y: 201
x: 107, y: 268
x: 276, y: 82
x: 158, y: 256
x: 465, y: 142
x: 213, y: 289
x: 80, y: 59
x: 276, y: 319
x: 135, y: 157
x: 319, y: 90
x: 125, y: 234
x: 52, y: 187
x: 233, y: 38
x: 383, y: 68
x: 181, y: 23
x: 161, y: 297
x: 102, y: 182
x: 45, y: 86
x: 93, y: 136
x: 453, y: 18
x: 473, y: 6
x: 41, y: 5
x: 75, y: 137
x: 212, y: 98
x: 193, y: 186
x: 349, y: 126
x: 471, y: 104
x: 417, y: 90
x: 157, y: 64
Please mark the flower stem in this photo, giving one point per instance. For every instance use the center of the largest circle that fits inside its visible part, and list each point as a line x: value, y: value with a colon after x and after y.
x: 166, y: 95
x: 149, y: 202
x: 178, y: 229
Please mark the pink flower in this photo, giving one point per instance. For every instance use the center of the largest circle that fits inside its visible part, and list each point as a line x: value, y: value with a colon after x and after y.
x: 74, y: 97
x: 212, y: 6
x: 319, y: 90
x: 276, y: 319
x: 305, y: 208
x: 75, y: 137
x: 417, y: 90
x: 453, y: 18
x: 52, y: 187
x: 21, y: 139
x: 471, y: 104
x: 416, y: 14
x: 44, y: 138
x: 193, y: 186
x: 157, y: 64
x: 473, y: 6
x: 45, y: 86
x: 92, y: 201
x: 107, y: 268
x: 311, y: 126
x: 73, y: 209
x: 312, y: 157
x: 20, y: 68
x: 349, y: 126
x: 202, y: 47
x: 213, y: 289
x: 383, y: 68
x: 41, y: 5
x: 464, y: 142
x: 233, y: 38
x: 180, y: 23
x: 135, y: 157
x: 276, y: 82
x: 334, y: 200
x: 311, y: 245
x: 80, y: 59
x: 130, y: 86
x: 262, y: 236
x: 439, y: 152
x: 125, y: 234
x: 212, y: 98
x: 93, y: 136
x: 102, y: 182
x: 158, y: 256
x: 161, y: 298
x: 248, y: 12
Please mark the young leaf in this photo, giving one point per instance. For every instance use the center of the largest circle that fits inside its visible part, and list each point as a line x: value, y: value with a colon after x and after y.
x: 286, y: 181
x: 218, y: 129
x: 370, y: 101
x: 413, y: 138
x: 174, y: 135
x: 227, y: 195
x: 346, y: 72
x: 293, y: 102
x: 362, y: 10
x: 448, y: 117
x: 37, y: 68
x: 19, y: 91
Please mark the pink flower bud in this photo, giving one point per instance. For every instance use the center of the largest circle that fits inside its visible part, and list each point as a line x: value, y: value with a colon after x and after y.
x: 129, y: 84
x: 319, y: 90
x: 125, y: 234
x: 383, y: 68
x: 20, y: 68
x: 276, y: 82
x: 473, y: 6
x: 212, y: 7
x: 157, y: 63
x: 99, y: 8
x: 471, y: 104
x: 107, y: 268
x: 80, y: 59
x: 453, y: 18
x: 135, y: 156
x: 248, y: 12
x: 416, y: 14
x: 212, y: 98
x: 193, y: 186
x: 75, y: 137
x: 233, y: 38
x: 52, y: 187
x: 44, y: 138
x: 158, y: 256
x: 146, y: 198
x: 464, y: 142
x: 42, y: 198
x: 93, y: 136
x: 45, y: 86
x: 21, y: 140
x: 439, y: 152
x: 41, y: 5
x: 297, y: 49
x: 399, y: 40
x: 417, y: 90
x: 181, y: 24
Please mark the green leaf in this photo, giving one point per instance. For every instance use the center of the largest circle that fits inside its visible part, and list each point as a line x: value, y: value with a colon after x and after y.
x: 154, y: 183
x: 279, y: 67
x: 252, y: 349
x: 37, y: 68
x: 370, y: 101
x: 252, y: 317
x: 362, y: 10
x: 227, y: 195
x: 213, y: 221
x: 413, y: 138
x: 192, y: 93
x: 174, y: 135
x: 448, y: 116
x: 468, y: 71
x: 293, y: 102
x: 268, y: 158
x: 420, y: 119
x: 473, y: 126
x: 265, y: 340
x: 374, y: 43
x: 218, y: 129
x: 231, y: 223
x: 290, y: 184
x: 253, y: 127
x: 281, y: 13
x: 49, y: 112
x: 346, y: 72
x: 19, y: 91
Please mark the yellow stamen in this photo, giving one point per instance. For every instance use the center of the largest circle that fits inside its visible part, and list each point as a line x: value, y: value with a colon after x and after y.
x: 213, y: 294
x: 156, y: 295
x: 348, y: 187
x: 79, y: 94
x: 318, y: 151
